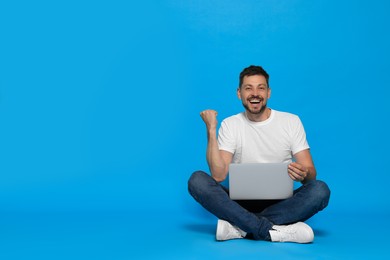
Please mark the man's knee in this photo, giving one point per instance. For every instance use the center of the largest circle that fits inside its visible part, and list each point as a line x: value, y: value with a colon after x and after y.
x: 196, y: 182
x: 322, y: 192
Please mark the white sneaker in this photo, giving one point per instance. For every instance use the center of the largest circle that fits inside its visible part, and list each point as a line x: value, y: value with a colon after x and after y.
x: 226, y: 231
x: 298, y: 233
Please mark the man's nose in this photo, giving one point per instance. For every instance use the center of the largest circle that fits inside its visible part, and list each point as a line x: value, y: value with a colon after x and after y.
x: 256, y: 92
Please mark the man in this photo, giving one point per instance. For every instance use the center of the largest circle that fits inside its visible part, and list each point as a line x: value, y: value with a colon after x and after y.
x: 262, y: 135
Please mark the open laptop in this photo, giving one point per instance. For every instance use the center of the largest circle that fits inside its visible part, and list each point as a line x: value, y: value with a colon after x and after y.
x: 259, y: 181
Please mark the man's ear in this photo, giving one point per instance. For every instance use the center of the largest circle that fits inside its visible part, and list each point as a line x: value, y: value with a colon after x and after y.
x: 238, y: 93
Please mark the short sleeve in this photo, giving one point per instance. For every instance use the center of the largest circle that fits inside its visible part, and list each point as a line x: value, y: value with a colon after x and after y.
x: 226, y: 139
x: 299, y: 142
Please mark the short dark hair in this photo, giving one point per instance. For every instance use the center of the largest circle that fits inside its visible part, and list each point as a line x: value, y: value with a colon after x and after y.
x: 251, y: 71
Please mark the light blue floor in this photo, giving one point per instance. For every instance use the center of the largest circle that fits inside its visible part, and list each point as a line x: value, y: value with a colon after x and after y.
x: 179, y: 235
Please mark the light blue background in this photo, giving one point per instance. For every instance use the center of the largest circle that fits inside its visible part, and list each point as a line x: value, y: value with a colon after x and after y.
x: 100, y: 100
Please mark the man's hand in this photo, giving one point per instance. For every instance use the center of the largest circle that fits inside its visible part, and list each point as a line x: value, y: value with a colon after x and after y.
x: 210, y: 118
x: 297, y: 171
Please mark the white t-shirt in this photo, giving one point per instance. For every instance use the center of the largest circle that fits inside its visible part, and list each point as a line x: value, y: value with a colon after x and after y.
x: 274, y: 140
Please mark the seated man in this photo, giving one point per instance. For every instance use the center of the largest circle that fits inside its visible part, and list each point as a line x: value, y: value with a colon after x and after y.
x: 262, y: 135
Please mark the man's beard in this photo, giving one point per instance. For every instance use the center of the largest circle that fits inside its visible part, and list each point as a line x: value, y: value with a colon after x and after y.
x: 255, y: 112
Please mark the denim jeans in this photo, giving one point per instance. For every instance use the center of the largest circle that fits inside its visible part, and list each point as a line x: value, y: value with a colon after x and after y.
x: 257, y: 217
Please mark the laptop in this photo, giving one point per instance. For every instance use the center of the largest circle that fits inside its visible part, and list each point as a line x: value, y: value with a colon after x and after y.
x: 259, y: 181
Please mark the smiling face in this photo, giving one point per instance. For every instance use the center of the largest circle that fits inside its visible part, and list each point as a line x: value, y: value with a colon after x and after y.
x: 254, y: 94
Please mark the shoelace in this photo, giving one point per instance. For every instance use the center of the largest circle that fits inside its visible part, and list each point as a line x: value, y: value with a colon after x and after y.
x: 288, y: 232
x: 233, y: 232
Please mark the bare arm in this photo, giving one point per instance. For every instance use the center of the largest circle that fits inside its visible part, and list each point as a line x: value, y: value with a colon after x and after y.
x: 217, y: 160
x: 303, y: 169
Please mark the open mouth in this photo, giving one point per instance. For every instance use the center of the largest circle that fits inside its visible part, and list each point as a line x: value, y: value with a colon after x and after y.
x: 254, y: 101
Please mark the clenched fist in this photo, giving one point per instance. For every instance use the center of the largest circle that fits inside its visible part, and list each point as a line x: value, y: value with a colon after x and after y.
x: 210, y: 118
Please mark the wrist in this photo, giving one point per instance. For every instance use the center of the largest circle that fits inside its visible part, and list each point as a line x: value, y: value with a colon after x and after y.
x: 212, y: 130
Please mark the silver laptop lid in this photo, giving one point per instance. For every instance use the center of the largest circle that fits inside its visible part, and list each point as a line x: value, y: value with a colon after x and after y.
x: 249, y: 181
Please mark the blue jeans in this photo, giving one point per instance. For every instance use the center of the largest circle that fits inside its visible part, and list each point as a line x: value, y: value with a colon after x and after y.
x: 257, y: 220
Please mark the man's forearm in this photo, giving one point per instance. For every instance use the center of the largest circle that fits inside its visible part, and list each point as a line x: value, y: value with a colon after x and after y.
x: 214, y: 159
